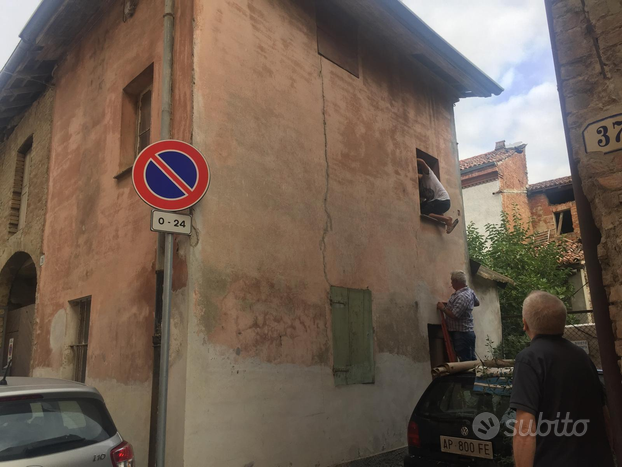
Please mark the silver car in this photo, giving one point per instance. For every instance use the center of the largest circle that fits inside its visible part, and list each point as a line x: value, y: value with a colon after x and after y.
x: 57, y: 423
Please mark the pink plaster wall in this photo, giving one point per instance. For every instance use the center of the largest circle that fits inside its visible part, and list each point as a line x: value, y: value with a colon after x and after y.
x: 97, y: 239
x: 314, y: 185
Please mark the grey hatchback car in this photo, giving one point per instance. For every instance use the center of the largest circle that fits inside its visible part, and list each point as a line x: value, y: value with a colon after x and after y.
x: 57, y: 423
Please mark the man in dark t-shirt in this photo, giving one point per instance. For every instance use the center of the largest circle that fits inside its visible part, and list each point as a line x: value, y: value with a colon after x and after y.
x: 561, y: 419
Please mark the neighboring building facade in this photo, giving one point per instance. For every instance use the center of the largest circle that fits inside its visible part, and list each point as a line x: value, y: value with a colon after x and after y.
x: 24, y: 157
x: 301, y: 302
x: 497, y: 182
x: 587, y: 47
x: 493, y: 183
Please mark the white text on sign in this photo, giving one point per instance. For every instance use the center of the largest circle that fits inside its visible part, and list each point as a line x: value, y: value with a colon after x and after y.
x: 169, y: 222
x: 604, y: 135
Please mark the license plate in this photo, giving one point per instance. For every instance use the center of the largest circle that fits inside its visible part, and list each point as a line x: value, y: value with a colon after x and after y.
x: 466, y: 447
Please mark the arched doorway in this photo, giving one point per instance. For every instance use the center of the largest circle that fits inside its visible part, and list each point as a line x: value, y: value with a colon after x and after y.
x: 18, y: 288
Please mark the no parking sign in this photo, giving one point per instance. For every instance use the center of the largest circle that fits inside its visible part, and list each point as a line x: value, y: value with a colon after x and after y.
x: 171, y: 175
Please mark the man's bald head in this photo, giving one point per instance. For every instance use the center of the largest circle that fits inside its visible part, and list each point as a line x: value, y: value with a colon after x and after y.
x: 544, y: 313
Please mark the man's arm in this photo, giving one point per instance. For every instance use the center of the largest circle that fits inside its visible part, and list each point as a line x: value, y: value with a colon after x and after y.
x: 524, y: 442
x: 445, y: 309
x: 423, y: 166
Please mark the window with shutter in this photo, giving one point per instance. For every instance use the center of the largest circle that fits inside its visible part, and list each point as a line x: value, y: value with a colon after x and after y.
x: 337, y: 36
x: 353, y: 336
x: 19, y: 198
x: 136, y: 109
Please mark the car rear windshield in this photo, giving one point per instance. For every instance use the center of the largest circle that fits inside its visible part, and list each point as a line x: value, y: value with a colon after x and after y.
x: 465, y: 397
x: 39, y: 426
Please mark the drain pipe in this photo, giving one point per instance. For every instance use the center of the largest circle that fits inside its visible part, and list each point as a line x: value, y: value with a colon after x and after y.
x: 590, y: 236
x: 167, y: 69
x: 157, y: 444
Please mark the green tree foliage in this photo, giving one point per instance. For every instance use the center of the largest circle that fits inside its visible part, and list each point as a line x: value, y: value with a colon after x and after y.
x: 509, y: 248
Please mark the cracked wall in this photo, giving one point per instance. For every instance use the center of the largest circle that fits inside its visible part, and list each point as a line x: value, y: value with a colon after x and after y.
x: 315, y: 184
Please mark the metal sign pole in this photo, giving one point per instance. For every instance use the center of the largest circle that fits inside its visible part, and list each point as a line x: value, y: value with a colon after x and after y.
x: 164, y: 349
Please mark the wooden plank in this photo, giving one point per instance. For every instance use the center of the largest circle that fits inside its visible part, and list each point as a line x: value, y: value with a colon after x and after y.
x: 341, y: 335
x: 337, y: 37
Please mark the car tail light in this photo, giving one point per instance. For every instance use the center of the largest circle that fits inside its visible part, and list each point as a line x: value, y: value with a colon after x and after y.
x: 413, y: 435
x: 123, y: 455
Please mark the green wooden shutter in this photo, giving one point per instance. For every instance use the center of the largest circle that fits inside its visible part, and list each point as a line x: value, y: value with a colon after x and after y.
x: 353, y: 339
x: 341, y: 335
x: 361, y: 337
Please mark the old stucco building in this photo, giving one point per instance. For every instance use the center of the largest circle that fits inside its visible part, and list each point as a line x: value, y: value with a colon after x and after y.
x: 587, y: 49
x: 496, y: 182
x: 311, y: 116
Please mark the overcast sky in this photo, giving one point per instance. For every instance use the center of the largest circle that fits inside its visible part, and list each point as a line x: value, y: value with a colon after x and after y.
x: 508, y: 39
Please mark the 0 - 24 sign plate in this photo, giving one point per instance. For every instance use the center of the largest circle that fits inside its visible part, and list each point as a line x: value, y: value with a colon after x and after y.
x: 170, y: 222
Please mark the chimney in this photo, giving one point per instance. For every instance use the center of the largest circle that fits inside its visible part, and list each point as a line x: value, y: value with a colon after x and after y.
x: 499, y: 145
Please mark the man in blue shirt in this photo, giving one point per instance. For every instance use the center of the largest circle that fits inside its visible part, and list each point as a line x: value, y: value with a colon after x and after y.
x: 561, y: 417
x: 459, y: 316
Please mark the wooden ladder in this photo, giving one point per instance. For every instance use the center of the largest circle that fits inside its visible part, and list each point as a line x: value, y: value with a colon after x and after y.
x: 448, y: 345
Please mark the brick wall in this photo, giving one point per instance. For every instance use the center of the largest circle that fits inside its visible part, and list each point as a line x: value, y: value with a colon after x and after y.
x: 513, y: 186
x: 589, y: 42
x: 543, y: 214
x: 36, y: 124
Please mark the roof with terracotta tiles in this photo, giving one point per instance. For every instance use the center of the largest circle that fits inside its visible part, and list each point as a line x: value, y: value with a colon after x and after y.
x: 557, y: 182
x: 574, y: 248
x: 574, y: 253
x: 496, y: 156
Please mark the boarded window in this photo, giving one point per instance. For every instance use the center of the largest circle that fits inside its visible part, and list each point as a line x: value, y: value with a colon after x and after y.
x: 563, y: 222
x: 135, y: 119
x: 337, y: 36
x: 82, y: 312
x: 19, y: 195
x: 353, y: 336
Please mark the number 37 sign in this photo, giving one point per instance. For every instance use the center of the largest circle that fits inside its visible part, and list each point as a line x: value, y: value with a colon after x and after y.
x: 604, y: 135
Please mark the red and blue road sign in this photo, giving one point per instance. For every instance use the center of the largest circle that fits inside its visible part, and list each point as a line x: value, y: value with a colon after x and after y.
x: 171, y: 175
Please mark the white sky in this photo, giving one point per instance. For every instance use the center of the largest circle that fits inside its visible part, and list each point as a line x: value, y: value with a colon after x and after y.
x: 508, y: 39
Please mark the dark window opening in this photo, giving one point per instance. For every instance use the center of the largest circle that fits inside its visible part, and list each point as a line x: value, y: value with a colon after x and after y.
x: 337, y: 36
x: 563, y: 222
x: 561, y: 196
x: 82, y: 308
x: 353, y: 336
x: 438, y: 352
x: 431, y: 161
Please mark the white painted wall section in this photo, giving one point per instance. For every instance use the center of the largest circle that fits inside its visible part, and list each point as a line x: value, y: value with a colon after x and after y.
x: 480, y: 205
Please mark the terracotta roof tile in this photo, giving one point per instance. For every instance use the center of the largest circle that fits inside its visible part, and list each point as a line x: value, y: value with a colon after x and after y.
x: 574, y: 248
x: 495, y: 156
x: 550, y: 184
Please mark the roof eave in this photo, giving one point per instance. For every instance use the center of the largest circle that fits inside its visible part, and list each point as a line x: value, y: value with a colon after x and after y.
x: 444, y: 48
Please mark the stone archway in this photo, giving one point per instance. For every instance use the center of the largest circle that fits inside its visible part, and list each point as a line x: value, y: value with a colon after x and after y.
x: 18, y: 287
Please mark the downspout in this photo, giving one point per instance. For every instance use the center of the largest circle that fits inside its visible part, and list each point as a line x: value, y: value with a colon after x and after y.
x: 166, y: 105
x: 591, y: 237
